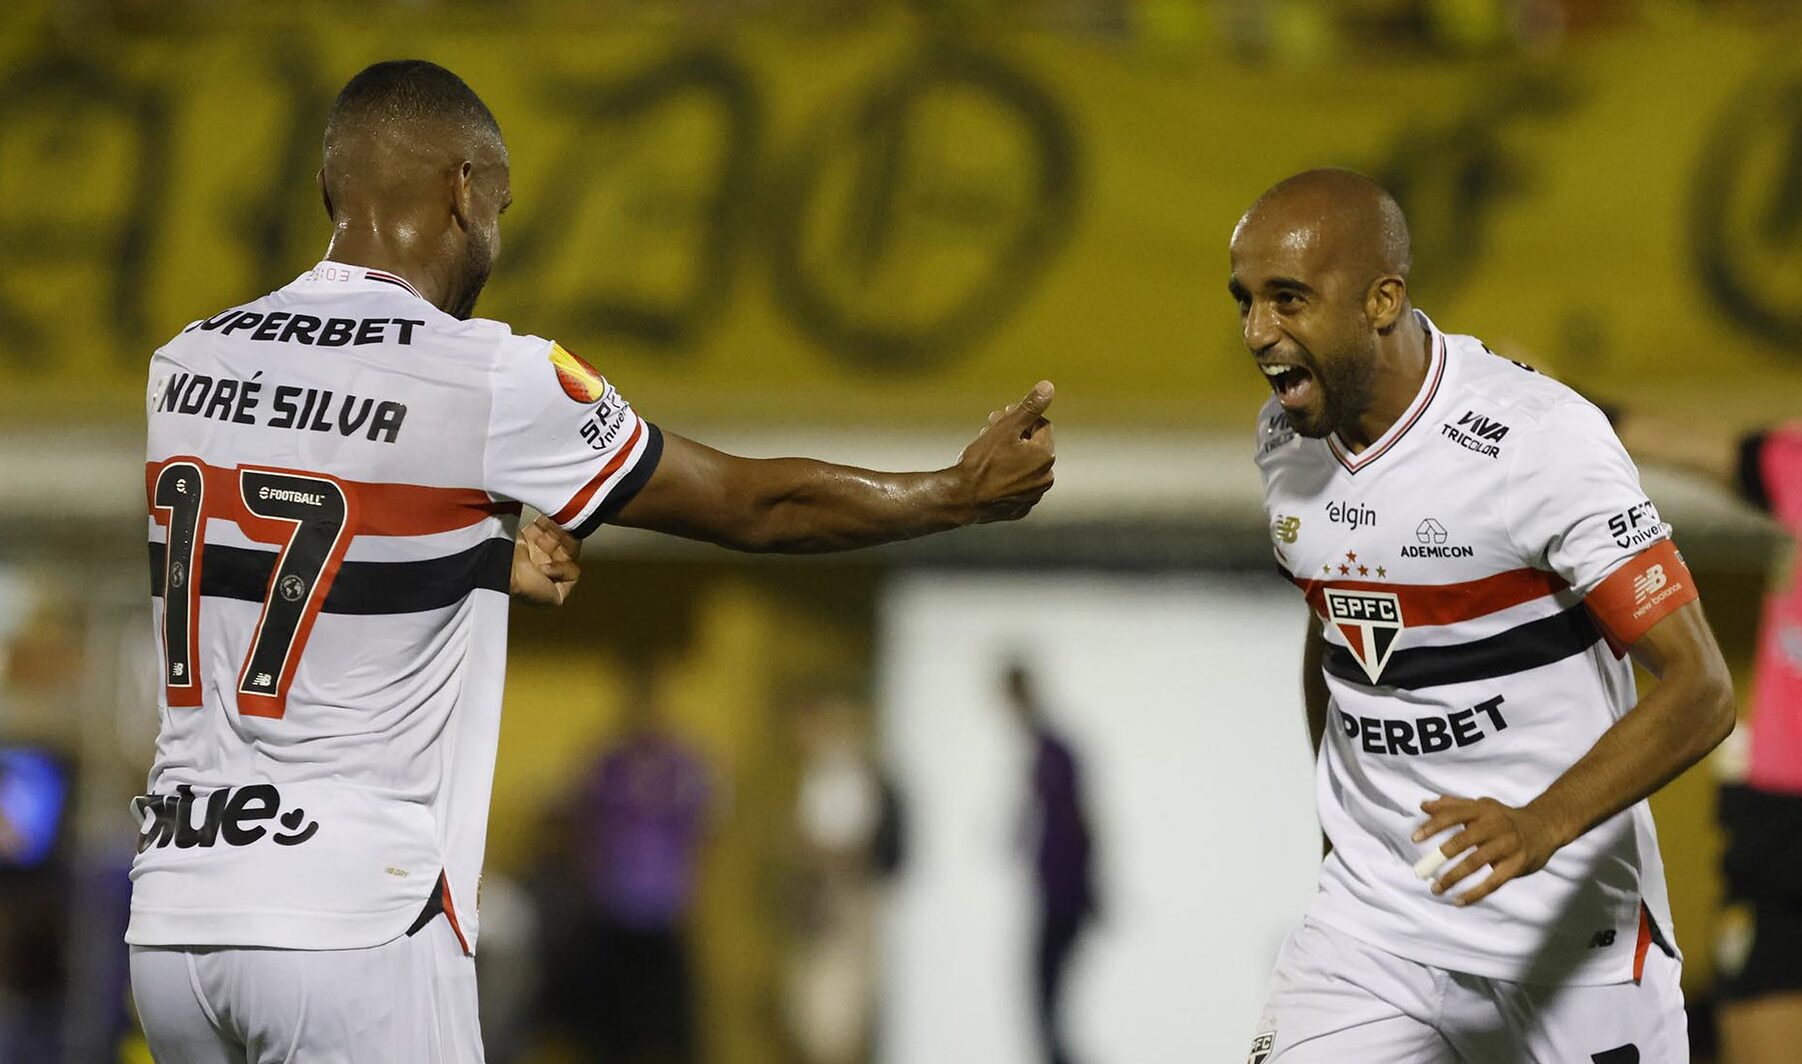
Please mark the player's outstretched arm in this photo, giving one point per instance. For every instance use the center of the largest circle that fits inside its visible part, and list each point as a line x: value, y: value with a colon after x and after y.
x: 803, y: 506
x: 1685, y: 716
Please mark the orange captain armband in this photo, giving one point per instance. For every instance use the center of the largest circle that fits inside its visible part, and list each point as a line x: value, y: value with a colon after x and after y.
x: 1652, y: 585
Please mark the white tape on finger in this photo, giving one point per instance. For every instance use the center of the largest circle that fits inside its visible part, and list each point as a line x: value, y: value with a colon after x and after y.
x: 1430, y: 863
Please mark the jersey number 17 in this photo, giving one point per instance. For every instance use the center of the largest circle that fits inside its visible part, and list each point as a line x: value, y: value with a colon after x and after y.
x: 310, y: 515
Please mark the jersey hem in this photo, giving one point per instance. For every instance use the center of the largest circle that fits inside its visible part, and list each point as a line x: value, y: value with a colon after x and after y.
x: 1451, y: 958
x: 266, y: 928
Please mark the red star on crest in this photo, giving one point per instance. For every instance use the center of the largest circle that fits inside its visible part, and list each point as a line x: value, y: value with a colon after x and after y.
x: 1344, y: 569
x: 1351, y: 556
x: 1363, y: 570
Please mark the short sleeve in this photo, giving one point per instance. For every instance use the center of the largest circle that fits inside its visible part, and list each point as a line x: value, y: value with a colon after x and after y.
x: 1771, y: 473
x: 562, y: 439
x: 1575, y: 507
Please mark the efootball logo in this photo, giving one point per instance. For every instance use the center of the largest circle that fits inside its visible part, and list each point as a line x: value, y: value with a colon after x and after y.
x: 580, y: 381
x: 1370, y: 621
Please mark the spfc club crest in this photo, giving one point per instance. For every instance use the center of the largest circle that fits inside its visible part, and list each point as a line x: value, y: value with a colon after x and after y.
x: 1370, y: 621
x: 1260, y: 1048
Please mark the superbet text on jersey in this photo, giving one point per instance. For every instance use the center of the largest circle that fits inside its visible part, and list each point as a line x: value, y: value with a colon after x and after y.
x: 1478, y: 572
x: 334, y: 472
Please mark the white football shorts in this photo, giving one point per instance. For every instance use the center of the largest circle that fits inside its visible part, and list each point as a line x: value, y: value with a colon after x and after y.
x: 410, y: 1000
x: 1336, y: 1000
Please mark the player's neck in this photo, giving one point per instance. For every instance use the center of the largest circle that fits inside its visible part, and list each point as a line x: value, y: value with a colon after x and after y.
x: 376, y: 248
x: 1401, y: 368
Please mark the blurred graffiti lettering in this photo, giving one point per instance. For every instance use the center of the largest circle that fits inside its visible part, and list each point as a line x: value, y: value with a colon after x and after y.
x: 1452, y: 178
x: 1746, y: 208
x: 76, y: 233
x: 920, y: 215
x: 651, y: 186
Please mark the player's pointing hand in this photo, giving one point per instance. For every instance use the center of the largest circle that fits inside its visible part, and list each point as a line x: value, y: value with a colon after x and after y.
x: 1512, y: 841
x: 1008, y: 465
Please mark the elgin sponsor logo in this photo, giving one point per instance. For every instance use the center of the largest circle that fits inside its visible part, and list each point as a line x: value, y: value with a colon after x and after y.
x: 1425, y: 735
x: 235, y: 816
x: 1370, y: 621
x: 1351, y: 513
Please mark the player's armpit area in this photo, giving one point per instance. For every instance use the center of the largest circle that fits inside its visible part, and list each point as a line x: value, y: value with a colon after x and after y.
x: 1650, y: 587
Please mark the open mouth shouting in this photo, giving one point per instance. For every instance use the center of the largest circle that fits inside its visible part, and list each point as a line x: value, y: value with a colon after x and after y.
x: 1293, y: 385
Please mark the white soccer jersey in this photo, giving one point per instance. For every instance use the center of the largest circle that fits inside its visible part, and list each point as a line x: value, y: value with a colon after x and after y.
x: 1478, y: 571
x: 334, y: 472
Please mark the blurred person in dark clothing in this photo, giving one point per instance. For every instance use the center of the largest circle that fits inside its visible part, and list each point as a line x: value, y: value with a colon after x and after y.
x: 1063, y: 858
x: 1760, y: 945
x: 621, y: 979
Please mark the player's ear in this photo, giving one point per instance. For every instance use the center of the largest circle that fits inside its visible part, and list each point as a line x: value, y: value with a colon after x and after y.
x: 463, y: 194
x: 1385, y: 301
x: 325, y: 194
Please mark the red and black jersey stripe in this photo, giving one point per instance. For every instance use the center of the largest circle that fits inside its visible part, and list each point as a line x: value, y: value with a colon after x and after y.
x: 360, y: 588
x: 1527, y: 646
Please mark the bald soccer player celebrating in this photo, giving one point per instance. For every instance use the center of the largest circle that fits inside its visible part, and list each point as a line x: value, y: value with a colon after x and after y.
x: 1480, y: 559
x: 330, y: 470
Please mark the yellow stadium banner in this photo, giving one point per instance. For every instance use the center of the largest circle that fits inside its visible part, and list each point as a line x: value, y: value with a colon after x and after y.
x: 772, y: 223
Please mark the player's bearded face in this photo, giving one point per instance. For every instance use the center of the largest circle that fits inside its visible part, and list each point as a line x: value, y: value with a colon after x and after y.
x: 478, y: 261
x: 482, y: 240
x: 1345, y: 381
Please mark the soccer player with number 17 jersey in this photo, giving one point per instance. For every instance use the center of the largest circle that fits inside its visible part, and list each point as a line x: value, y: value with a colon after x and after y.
x: 1479, y: 559
x: 332, y: 471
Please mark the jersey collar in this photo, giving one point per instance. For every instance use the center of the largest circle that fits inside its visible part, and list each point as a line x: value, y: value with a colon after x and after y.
x: 1422, y: 399
x: 328, y: 272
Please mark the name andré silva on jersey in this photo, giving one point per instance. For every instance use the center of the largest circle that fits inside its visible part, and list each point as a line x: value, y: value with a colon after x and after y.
x: 290, y: 406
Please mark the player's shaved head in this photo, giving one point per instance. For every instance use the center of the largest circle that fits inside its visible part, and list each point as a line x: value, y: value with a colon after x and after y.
x: 414, y: 161
x: 398, y: 124
x: 1320, y: 272
x: 1351, y: 218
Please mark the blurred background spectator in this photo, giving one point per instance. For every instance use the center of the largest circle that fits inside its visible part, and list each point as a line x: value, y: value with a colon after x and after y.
x: 849, y: 842
x: 619, y: 974
x: 1062, y: 852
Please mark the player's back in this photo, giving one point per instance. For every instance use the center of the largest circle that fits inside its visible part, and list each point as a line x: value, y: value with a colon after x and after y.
x: 330, y: 576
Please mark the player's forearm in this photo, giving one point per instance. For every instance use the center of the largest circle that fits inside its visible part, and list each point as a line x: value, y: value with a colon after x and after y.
x: 803, y: 506
x: 1688, y: 714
